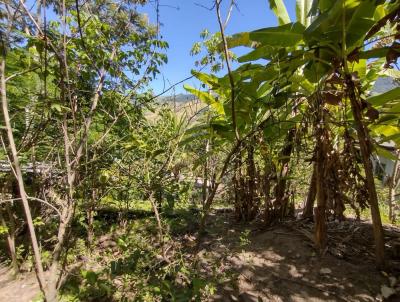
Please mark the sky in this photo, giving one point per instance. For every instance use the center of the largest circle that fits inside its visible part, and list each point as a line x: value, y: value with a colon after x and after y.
x: 183, y: 20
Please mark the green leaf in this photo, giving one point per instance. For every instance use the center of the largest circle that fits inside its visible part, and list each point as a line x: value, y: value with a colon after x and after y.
x: 300, y: 80
x: 3, y: 229
x: 314, y: 71
x: 303, y: 8
x: 279, y: 9
x: 326, y: 4
x: 209, y: 79
x: 90, y: 276
x: 207, y: 98
x: 373, y: 53
x: 56, y: 107
x: 264, y: 52
x: 381, y: 99
x: 387, y: 130
x: 360, y: 68
x: 362, y: 19
x: 395, y: 109
x: 240, y: 39
x: 327, y: 27
x: 392, y: 73
x: 287, y: 35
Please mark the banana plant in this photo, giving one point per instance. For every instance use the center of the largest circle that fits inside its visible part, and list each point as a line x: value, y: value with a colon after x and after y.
x: 325, y: 57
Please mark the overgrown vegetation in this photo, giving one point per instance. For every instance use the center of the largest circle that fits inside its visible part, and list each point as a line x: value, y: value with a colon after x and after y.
x: 107, y: 193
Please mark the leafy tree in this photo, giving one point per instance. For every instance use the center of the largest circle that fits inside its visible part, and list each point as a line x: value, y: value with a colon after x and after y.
x: 94, y: 58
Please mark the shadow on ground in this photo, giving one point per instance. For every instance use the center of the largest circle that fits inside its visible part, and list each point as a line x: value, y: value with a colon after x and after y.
x: 281, y: 264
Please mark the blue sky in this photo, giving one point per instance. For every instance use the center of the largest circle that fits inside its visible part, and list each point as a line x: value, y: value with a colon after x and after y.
x: 183, y: 20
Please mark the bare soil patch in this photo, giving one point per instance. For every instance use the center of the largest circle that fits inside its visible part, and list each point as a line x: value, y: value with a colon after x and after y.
x: 280, y: 263
x: 21, y: 288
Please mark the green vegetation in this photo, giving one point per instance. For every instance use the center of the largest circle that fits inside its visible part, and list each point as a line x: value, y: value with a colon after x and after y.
x: 107, y: 193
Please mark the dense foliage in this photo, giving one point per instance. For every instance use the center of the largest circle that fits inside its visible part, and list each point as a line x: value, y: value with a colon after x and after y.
x: 97, y: 177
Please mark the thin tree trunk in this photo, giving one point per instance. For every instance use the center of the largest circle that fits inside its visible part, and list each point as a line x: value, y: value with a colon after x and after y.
x: 218, y: 179
x: 228, y: 65
x: 365, y: 148
x: 159, y: 227
x: 312, y: 192
x: 210, y: 199
x: 65, y: 220
x: 205, y: 175
x: 18, y: 175
x: 55, y: 272
x: 392, y: 188
x: 90, y: 218
x: 281, y: 197
x: 236, y: 187
x: 11, y: 230
x: 251, y: 183
x: 72, y: 172
x: 320, y: 211
x: 10, y: 241
x: 267, y: 191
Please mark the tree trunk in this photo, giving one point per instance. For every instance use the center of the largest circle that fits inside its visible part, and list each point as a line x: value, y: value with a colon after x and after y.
x: 365, y: 148
x: 65, y: 219
x: 159, y: 227
x: 236, y: 184
x: 281, y: 197
x: 55, y: 272
x: 10, y: 240
x: 214, y: 187
x: 392, y: 188
x: 251, y: 207
x: 312, y: 192
x: 205, y: 175
x: 320, y: 211
x: 90, y: 217
x: 18, y: 175
x: 240, y: 190
x: 267, y: 192
x: 11, y: 229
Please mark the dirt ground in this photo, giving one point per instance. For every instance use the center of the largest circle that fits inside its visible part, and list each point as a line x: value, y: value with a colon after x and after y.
x: 23, y: 288
x: 279, y: 263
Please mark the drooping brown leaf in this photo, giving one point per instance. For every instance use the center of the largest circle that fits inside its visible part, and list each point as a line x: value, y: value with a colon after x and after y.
x: 372, y: 114
x: 332, y: 97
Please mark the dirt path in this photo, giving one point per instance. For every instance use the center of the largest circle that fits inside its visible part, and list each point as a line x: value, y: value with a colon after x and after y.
x: 23, y: 288
x: 280, y: 264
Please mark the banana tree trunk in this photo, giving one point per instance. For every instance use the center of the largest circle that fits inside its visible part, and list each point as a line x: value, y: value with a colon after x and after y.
x: 236, y: 187
x: 281, y: 196
x: 312, y: 192
x: 321, y: 192
x: 365, y: 149
x: 250, y: 209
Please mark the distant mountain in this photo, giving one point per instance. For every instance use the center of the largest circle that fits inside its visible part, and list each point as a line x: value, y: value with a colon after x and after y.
x: 383, y: 84
x: 180, y: 103
x: 179, y: 98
